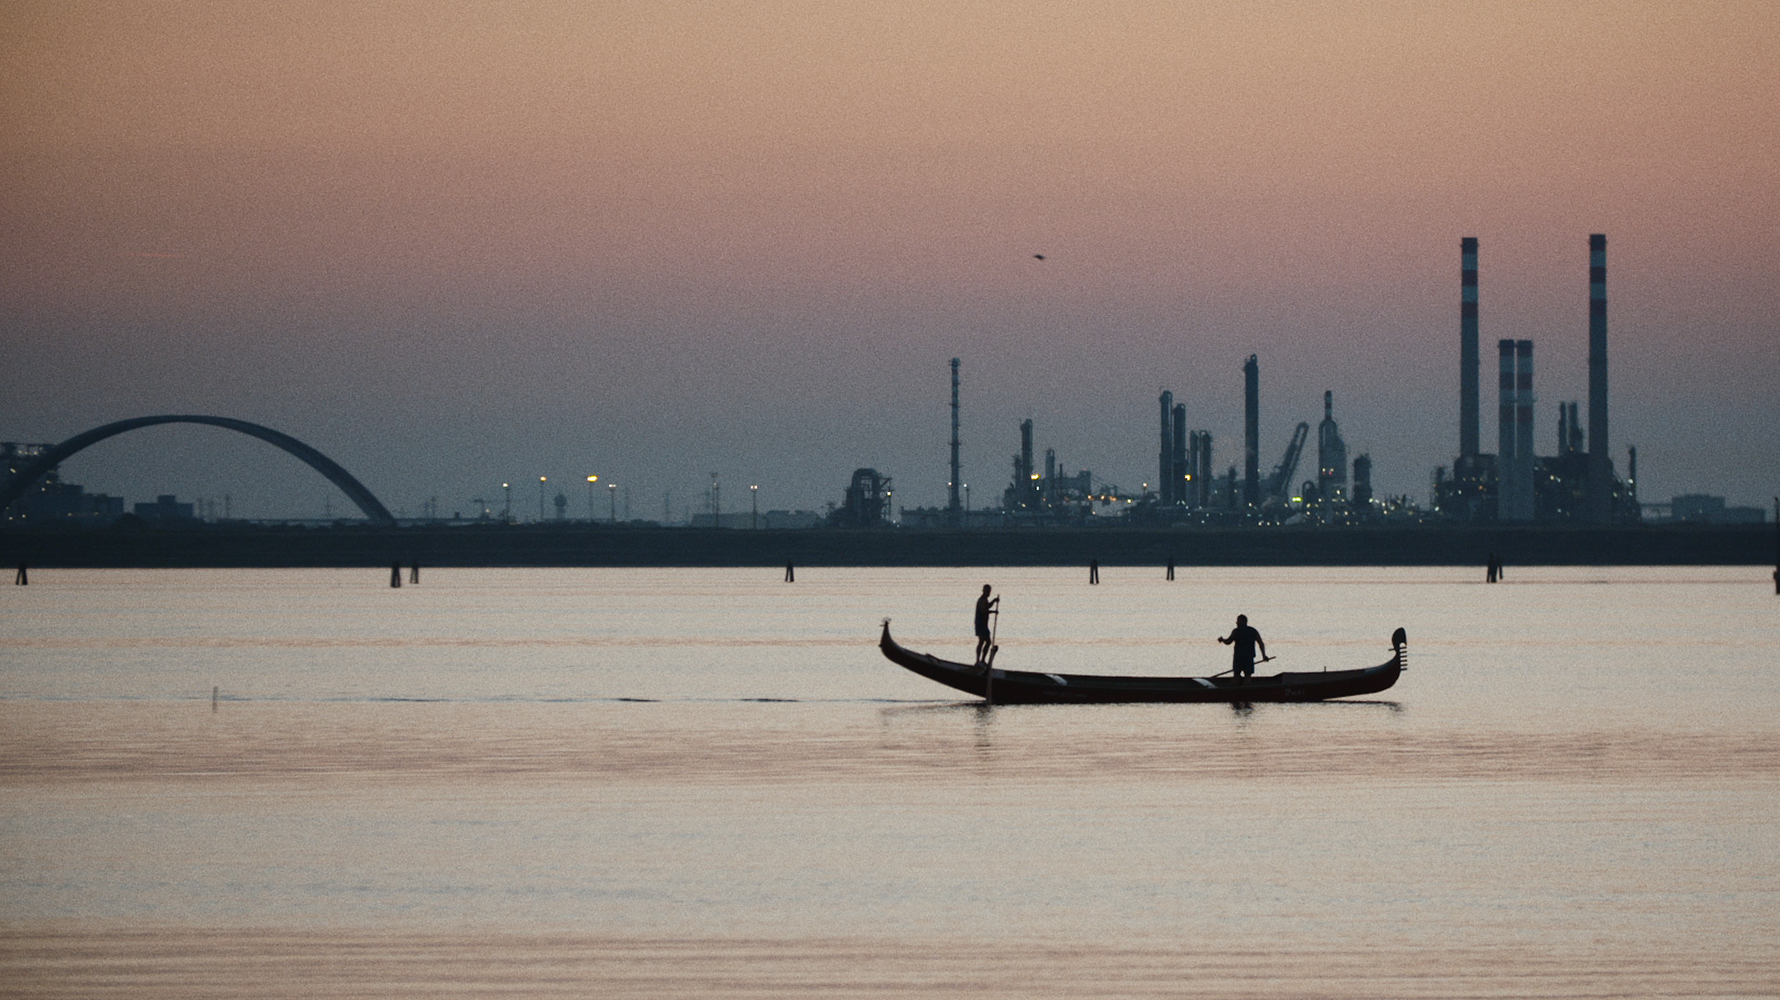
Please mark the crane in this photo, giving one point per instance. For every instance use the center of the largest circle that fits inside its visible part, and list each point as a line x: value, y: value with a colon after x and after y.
x: 1280, y: 482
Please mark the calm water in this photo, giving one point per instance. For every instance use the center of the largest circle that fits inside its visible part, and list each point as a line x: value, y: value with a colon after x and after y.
x: 709, y: 783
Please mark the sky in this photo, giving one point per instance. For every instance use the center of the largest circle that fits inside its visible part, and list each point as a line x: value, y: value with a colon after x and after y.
x: 453, y: 245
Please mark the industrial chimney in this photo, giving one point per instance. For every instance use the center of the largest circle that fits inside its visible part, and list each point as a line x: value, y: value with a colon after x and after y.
x: 1202, y: 471
x: 1177, y: 486
x: 1251, y: 416
x: 1600, y: 462
x: 954, y: 510
x: 1506, y: 466
x: 1026, y: 453
x: 1166, y: 455
x: 1523, y: 431
x: 1331, y: 455
x: 1468, y: 363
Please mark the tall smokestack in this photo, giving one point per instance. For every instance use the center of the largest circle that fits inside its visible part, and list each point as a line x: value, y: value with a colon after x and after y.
x: 1203, y: 474
x: 1193, y: 477
x: 1505, y: 437
x: 954, y: 509
x: 1177, y: 490
x: 1166, y: 456
x: 1251, y: 420
x: 1026, y: 454
x: 1600, y: 462
x: 1468, y: 364
x: 1523, y: 430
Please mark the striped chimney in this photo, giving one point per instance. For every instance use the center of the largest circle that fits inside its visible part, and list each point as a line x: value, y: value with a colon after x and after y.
x: 1523, y: 430
x: 1600, y: 468
x: 1468, y: 363
x: 1505, y: 437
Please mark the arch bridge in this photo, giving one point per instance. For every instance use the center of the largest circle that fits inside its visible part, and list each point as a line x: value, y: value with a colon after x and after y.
x: 354, y: 490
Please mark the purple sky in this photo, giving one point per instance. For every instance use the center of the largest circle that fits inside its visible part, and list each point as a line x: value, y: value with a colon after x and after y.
x: 454, y: 246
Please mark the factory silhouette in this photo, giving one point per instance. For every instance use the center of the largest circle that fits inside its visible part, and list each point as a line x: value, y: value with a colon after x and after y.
x: 1576, y: 485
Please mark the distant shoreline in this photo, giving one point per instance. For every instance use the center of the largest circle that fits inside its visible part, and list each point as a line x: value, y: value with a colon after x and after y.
x: 246, y: 546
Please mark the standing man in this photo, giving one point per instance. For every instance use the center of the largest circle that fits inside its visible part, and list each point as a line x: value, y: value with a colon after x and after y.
x: 1243, y: 641
x: 986, y: 606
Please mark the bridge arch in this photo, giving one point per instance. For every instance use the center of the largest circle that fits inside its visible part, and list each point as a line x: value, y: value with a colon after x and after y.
x: 354, y: 490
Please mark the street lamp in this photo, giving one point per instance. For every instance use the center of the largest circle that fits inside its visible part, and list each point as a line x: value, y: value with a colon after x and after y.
x: 507, y: 505
x: 590, y: 481
x: 967, y: 498
x: 541, y: 481
x: 754, y: 524
x: 612, y: 495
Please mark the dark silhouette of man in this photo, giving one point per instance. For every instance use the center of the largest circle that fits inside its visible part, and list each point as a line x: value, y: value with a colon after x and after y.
x: 1243, y: 640
x: 986, y: 606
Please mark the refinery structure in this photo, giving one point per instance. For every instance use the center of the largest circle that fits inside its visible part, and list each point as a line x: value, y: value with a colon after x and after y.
x: 1578, y: 482
x: 1575, y: 484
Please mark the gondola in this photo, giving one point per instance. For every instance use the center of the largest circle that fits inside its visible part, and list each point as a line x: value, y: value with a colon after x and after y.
x: 1015, y: 687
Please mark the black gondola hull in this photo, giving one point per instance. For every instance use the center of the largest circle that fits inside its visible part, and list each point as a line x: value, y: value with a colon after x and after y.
x: 1027, y: 687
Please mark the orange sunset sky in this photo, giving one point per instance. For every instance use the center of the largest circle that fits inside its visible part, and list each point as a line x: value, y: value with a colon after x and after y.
x: 455, y: 244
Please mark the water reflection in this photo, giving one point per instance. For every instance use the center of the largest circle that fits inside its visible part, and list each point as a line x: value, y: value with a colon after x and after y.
x: 493, y: 759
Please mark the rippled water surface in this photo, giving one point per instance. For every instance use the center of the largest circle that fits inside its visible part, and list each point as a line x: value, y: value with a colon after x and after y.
x: 709, y: 783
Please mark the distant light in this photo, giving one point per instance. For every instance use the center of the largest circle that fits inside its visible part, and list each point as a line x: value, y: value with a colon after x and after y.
x: 593, y: 479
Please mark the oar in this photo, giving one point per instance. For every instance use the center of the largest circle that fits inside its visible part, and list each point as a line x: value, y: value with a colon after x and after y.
x: 989, y: 664
x: 1264, y: 659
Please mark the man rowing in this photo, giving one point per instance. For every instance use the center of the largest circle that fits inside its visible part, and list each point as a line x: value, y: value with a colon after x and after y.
x: 986, y: 606
x: 1243, y: 640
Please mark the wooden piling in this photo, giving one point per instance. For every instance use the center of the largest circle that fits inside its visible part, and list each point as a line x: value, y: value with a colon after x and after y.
x: 395, y: 573
x: 23, y: 578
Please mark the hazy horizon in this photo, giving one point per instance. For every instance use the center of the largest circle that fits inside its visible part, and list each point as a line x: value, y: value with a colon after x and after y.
x: 451, y: 247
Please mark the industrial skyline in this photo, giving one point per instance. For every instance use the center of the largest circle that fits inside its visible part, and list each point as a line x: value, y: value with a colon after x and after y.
x: 458, y: 247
